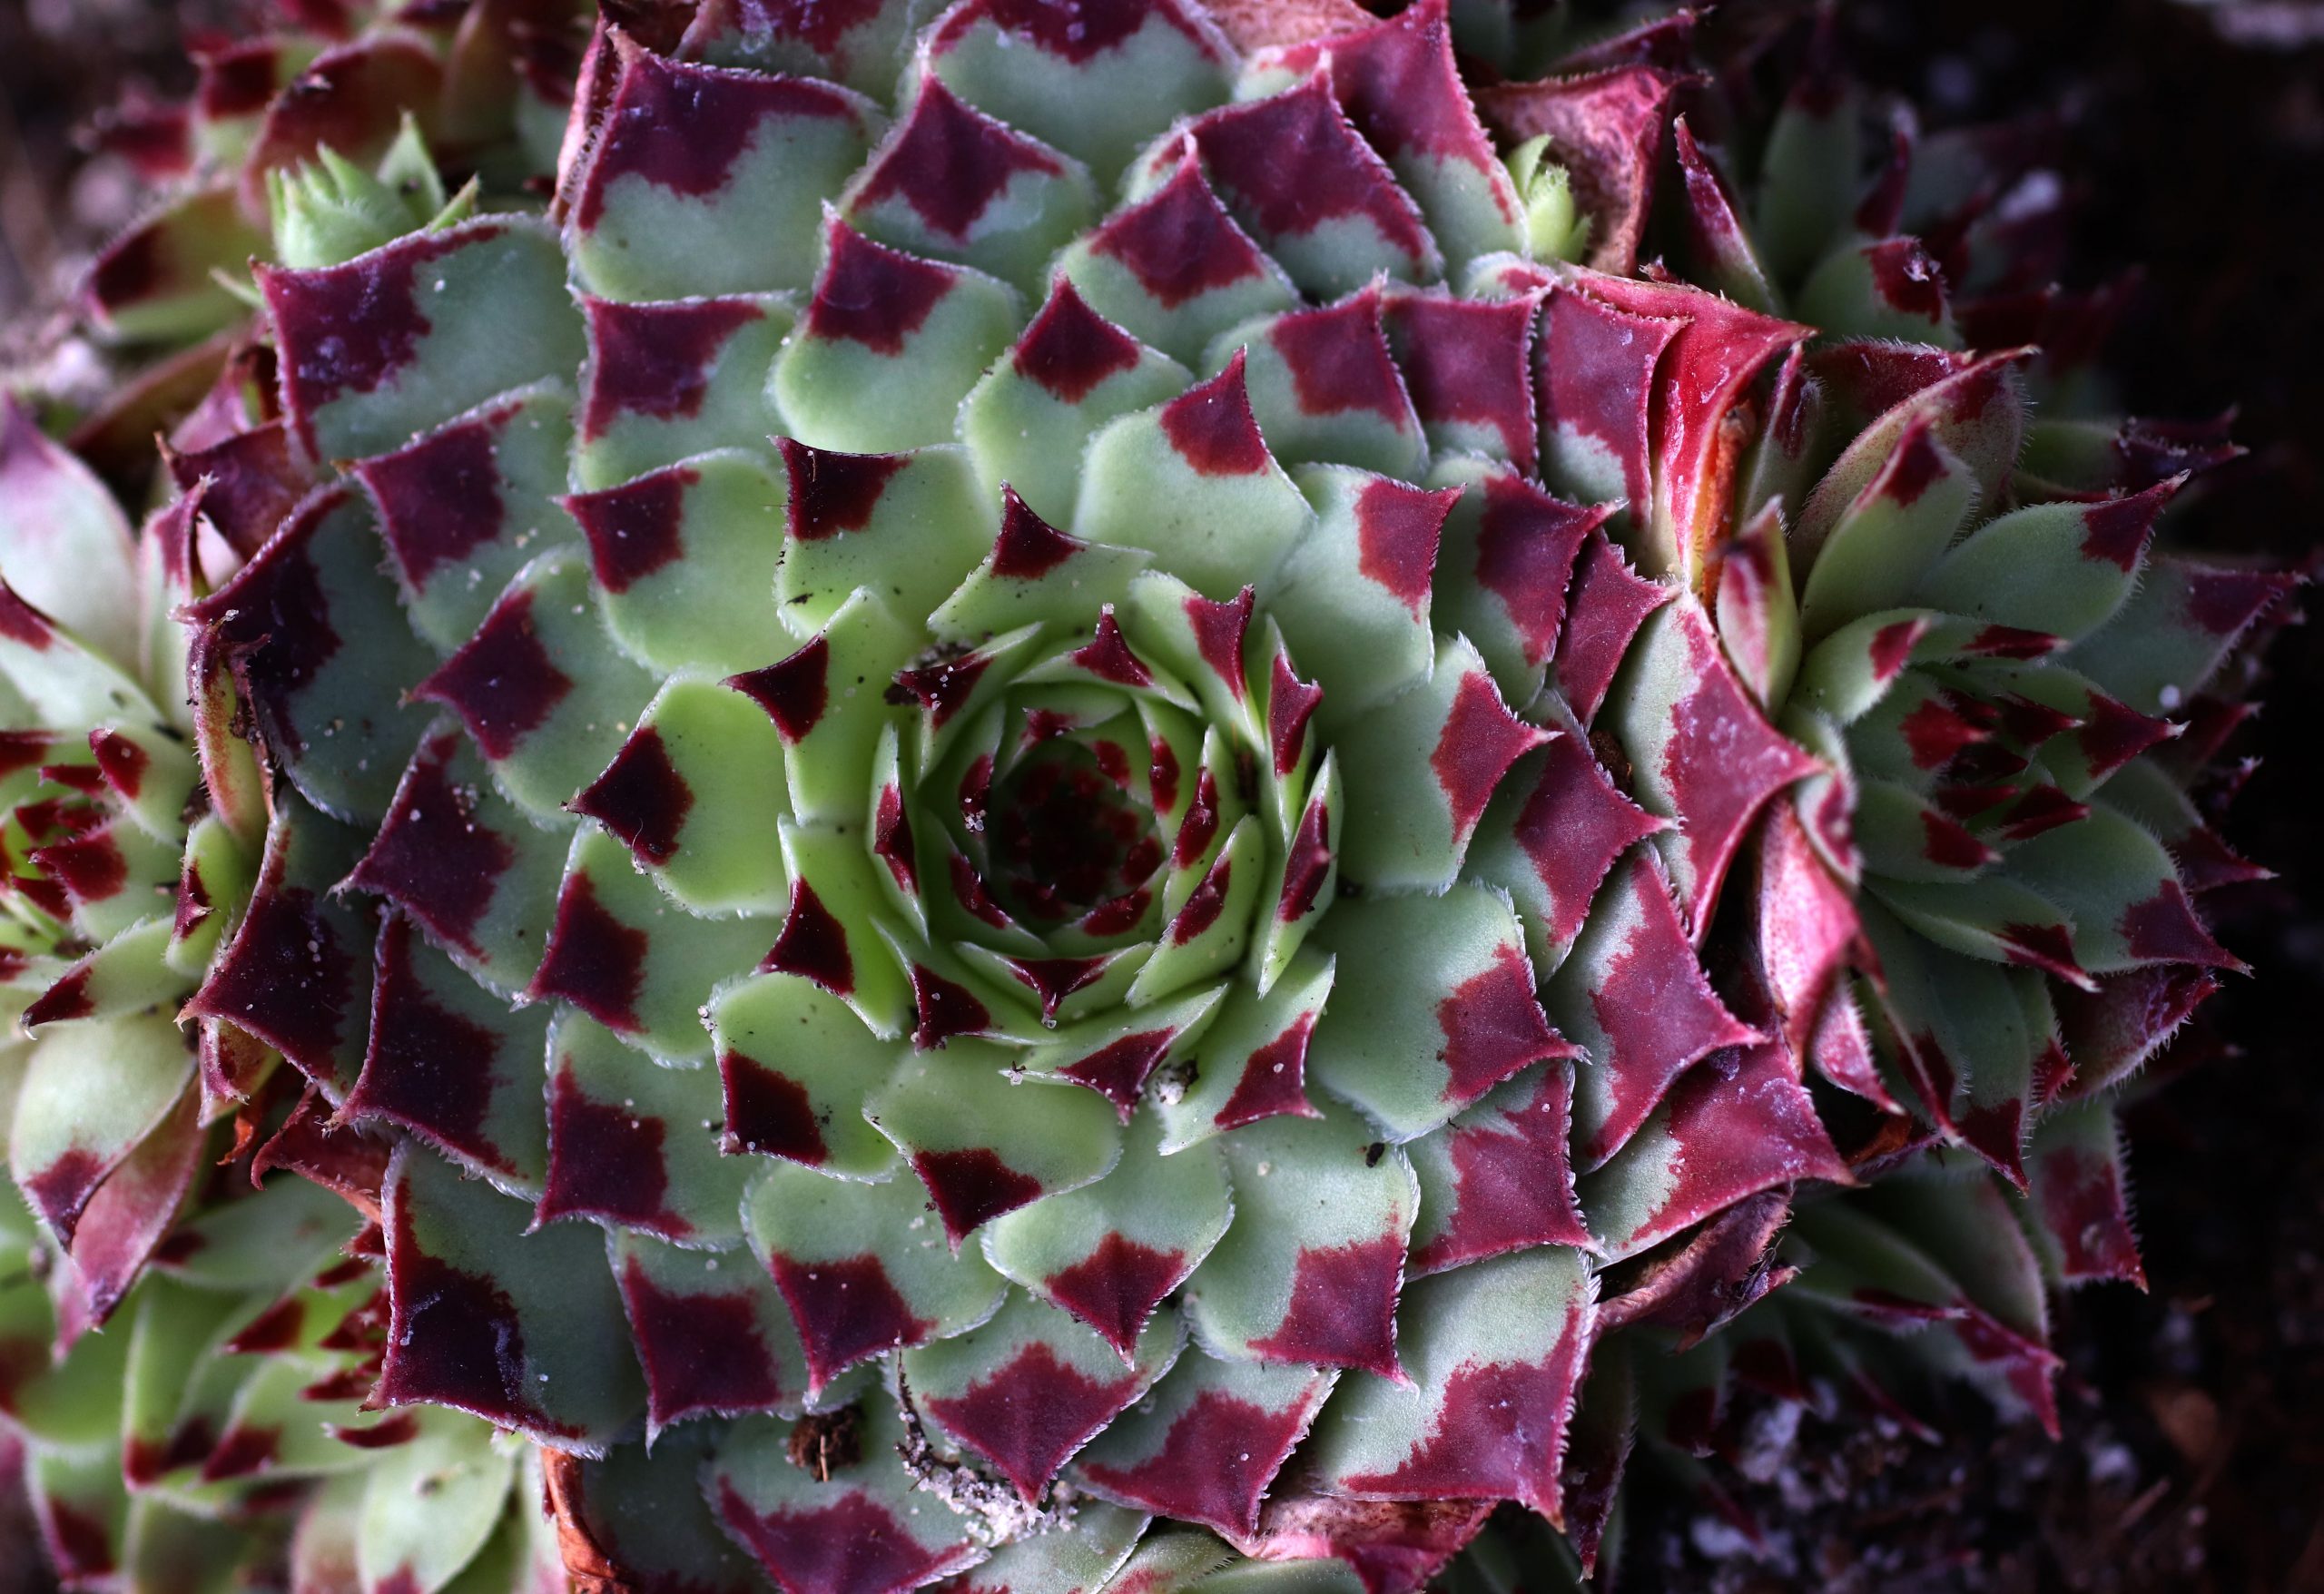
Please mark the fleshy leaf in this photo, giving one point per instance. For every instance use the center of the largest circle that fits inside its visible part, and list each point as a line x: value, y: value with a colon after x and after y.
x: 1635, y: 998
x: 864, y: 1267
x: 1499, y: 1178
x: 982, y: 1142
x: 396, y: 341
x: 797, y: 1065
x: 627, y: 956
x: 685, y: 153
x: 1029, y: 1386
x: 858, y: 1528
x: 542, y: 696
x: 1110, y: 1252
x: 1204, y: 1445
x: 522, y: 1329
x: 684, y: 558
x: 1495, y: 1358
x: 1433, y: 1006
x: 631, y: 1143
x: 1312, y: 1268
x: 1420, y: 770
x: 889, y: 346
x: 1192, y: 483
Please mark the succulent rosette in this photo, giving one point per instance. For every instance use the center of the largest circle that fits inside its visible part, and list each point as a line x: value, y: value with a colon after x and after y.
x: 1082, y: 794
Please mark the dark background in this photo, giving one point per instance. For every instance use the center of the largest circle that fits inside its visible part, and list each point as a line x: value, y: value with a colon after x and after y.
x: 2193, y: 1458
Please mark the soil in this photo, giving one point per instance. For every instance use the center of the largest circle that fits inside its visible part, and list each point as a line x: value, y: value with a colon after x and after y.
x: 2193, y: 1454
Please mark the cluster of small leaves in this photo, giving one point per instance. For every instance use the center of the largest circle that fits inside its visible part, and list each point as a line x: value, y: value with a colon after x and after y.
x: 1200, y: 841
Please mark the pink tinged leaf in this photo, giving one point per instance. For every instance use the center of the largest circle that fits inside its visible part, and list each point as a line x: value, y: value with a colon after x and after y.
x: 1725, y: 1267
x: 593, y: 960
x: 502, y: 682
x: 1070, y: 349
x: 1736, y: 1126
x: 1467, y: 366
x: 1211, y: 426
x: 1291, y: 704
x: 606, y: 1161
x: 854, y: 1545
x: 457, y: 1333
x: 1115, y: 1288
x: 2118, y: 1029
x: 1389, y: 1545
x: 432, y: 857
x: 1482, y: 741
x: 291, y: 629
x: 1400, y: 88
x: 869, y: 294
x: 682, y: 127
x: 1496, y: 1351
x: 1648, y: 1004
x: 1608, y: 604
x: 253, y: 482
x: 1337, y: 359
x: 1528, y: 545
x: 350, y: 99
x: 1721, y: 241
x: 641, y: 798
x: 288, y: 974
x: 2165, y: 929
x: 447, y: 1073
x: 1493, y: 1027
x: 1398, y: 530
x: 1594, y: 369
x: 1179, y: 243
x: 1271, y: 1080
x: 1118, y: 1069
x: 2081, y: 1195
x: 1808, y: 931
x: 1759, y: 615
x: 1572, y: 827
x: 972, y: 1186
x: 1974, y: 408
x: 1294, y: 171
x: 832, y: 493
x: 655, y: 361
x: 1499, y: 1178
x: 1713, y: 759
x: 1027, y: 1415
x: 1226, y: 1429
x: 768, y: 1114
x: 1717, y: 353
x: 813, y: 944
x: 1219, y: 631
x: 349, y: 1163
x: 349, y: 328
x: 846, y: 1310
x: 441, y: 499
x: 949, y: 163
x: 636, y: 529
x: 1605, y: 127
x: 703, y: 1350
x: 131, y: 1211
x: 945, y: 1008
x: 794, y: 691
x: 1343, y: 1307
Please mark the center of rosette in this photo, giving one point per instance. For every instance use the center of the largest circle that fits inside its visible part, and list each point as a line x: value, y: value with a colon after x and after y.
x: 1064, y: 835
